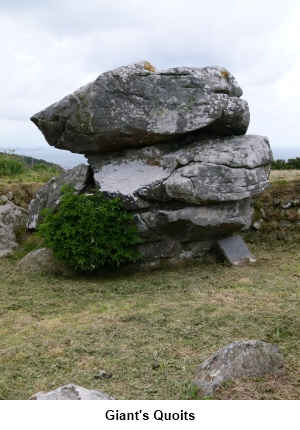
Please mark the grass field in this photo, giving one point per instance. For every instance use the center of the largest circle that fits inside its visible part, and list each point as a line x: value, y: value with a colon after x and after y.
x: 142, y: 335
x: 149, y: 330
x: 16, y: 168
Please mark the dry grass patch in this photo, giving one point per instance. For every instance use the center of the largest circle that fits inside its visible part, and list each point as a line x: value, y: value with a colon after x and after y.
x: 270, y: 387
x: 287, y: 175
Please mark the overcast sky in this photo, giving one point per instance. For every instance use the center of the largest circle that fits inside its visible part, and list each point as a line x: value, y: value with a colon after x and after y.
x: 49, y: 48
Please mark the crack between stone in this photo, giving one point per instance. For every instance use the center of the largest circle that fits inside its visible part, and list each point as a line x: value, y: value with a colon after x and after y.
x: 53, y: 201
x: 255, y: 184
x: 150, y: 228
x: 124, y: 93
x: 193, y: 186
x: 165, y: 74
x: 60, y: 137
x: 225, y: 164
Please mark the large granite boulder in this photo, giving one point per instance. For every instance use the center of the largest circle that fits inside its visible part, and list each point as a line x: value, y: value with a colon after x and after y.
x: 137, y: 105
x: 239, y: 359
x: 12, y: 217
x: 80, y: 177
x: 172, y: 146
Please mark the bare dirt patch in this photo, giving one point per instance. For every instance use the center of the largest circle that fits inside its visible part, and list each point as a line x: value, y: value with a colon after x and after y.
x: 23, y: 193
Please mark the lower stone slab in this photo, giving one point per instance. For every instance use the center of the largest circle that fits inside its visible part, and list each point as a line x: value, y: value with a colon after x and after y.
x: 189, y: 233
x: 191, y: 170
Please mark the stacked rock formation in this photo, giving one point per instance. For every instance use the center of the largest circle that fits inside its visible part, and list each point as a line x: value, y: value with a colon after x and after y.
x: 172, y: 146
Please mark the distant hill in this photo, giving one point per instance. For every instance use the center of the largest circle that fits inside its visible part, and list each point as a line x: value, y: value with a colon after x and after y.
x: 30, y: 161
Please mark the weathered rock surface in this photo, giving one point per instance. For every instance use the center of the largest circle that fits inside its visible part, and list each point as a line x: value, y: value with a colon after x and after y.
x: 240, y: 359
x: 71, y: 392
x: 137, y: 105
x: 43, y: 260
x: 174, y: 236
x: 185, y: 196
x: 11, y: 217
x: 197, y: 172
x: 80, y: 177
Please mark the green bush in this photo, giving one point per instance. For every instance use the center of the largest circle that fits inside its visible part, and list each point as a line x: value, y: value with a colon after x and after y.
x: 290, y: 164
x: 88, y: 231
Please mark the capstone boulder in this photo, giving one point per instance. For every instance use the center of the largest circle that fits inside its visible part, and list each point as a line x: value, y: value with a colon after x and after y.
x: 137, y: 105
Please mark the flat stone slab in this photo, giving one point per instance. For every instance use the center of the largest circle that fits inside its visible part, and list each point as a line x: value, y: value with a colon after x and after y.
x: 239, y: 359
x: 71, y: 392
x: 195, y: 172
x: 236, y: 251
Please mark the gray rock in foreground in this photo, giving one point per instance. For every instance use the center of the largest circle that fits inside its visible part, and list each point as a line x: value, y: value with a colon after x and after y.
x: 71, y: 392
x: 137, y: 105
x: 43, y: 260
x: 11, y: 218
x: 80, y: 177
x: 239, y: 359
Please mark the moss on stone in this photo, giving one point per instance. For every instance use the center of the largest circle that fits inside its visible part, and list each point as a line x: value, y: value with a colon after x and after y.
x: 149, y: 67
x: 225, y: 74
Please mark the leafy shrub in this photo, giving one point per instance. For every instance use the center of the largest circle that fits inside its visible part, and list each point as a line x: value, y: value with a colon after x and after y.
x: 88, y: 231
